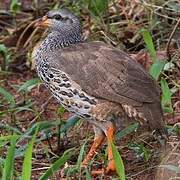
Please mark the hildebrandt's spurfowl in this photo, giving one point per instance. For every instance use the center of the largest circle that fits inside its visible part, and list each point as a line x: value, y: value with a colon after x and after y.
x: 99, y: 83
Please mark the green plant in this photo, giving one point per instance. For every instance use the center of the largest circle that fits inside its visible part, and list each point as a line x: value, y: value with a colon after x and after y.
x: 129, y: 129
x: 140, y: 150
x: 166, y: 97
x: 26, y: 149
x: 12, y: 107
x: 8, y: 169
x: 97, y: 7
x: 158, y: 65
x: 8, y: 97
x: 27, y: 163
x: 15, y: 6
x: 77, y: 167
x: 28, y: 85
x: 6, y: 55
x: 156, y: 70
x: 118, y: 162
x: 56, y: 165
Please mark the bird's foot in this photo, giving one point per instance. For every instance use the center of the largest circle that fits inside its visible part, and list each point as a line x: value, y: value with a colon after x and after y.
x: 111, y: 167
x: 109, y: 170
x: 97, y: 172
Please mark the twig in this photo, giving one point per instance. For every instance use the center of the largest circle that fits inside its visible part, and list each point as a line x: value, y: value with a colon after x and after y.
x: 6, y: 24
x: 144, y: 3
x: 23, y: 33
x: 103, y: 33
x: 169, y: 40
x: 136, y: 174
x: 41, y: 168
x: 29, y: 39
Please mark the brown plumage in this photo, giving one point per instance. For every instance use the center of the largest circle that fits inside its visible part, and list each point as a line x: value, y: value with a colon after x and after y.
x: 110, y: 74
x: 96, y: 81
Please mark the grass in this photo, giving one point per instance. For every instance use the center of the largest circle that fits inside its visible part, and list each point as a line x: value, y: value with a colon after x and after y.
x: 118, y: 162
x: 5, y: 53
x: 9, y: 161
x: 27, y: 163
x: 34, y: 128
x: 56, y: 165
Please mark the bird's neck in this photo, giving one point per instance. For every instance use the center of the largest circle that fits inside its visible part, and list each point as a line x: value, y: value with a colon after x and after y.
x: 57, y: 40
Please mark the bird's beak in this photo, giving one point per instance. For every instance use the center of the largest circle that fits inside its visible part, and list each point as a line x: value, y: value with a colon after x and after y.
x: 43, y: 22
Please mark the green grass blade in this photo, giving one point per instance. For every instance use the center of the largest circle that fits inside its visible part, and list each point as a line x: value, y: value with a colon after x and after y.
x: 9, y: 162
x: 3, y: 50
x: 166, y: 97
x: 80, y: 157
x: 88, y: 176
x: 28, y: 85
x: 156, y: 69
x: 157, y: 66
x: 15, y: 6
x: 149, y: 44
x: 10, y: 128
x: 27, y: 163
x: 9, y: 137
x: 97, y: 7
x: 69, y: 123
x: 129, y: 129
x: 118, y: 162
x: 8, y: 96
x: 57, y: 164
x: 43, y: 125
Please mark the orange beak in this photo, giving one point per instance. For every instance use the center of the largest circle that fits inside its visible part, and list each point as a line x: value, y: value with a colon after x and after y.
x: 43, y: 22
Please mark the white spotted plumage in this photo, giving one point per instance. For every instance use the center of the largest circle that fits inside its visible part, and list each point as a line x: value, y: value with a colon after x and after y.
x: 55, y: 80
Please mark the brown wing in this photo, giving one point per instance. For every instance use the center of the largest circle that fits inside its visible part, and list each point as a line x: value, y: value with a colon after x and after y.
x: 106, y: 73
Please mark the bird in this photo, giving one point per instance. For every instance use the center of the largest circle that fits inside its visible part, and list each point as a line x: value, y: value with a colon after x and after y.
x: 98, y: 82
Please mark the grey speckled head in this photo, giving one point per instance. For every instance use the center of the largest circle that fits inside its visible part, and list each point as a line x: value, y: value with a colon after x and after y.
x: 63, y: 20
x: 65, y: 29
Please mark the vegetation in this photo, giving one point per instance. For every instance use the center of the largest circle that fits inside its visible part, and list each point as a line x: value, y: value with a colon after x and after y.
x: 39, y: 139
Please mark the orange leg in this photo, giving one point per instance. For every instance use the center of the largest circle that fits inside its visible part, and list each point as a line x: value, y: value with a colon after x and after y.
x: 110, y: 139
x: 98, y: 140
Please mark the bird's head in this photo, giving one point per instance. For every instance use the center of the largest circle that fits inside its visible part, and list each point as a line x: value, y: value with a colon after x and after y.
x: 61, y: 20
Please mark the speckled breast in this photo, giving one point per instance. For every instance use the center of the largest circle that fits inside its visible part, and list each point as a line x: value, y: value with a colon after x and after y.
x: 66, y: 91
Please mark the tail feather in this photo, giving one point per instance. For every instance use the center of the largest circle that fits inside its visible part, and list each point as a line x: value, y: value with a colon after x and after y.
x: 154, y: 117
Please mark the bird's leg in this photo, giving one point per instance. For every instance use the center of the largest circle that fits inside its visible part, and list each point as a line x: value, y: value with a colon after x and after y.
x: 98, y: 140
x: 110, y: 138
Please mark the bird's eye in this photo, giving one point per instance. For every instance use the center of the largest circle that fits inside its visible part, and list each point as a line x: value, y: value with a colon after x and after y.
x: 58, y: 17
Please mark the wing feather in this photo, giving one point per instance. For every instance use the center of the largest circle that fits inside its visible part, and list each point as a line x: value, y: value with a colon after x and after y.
x: 106, y: 73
